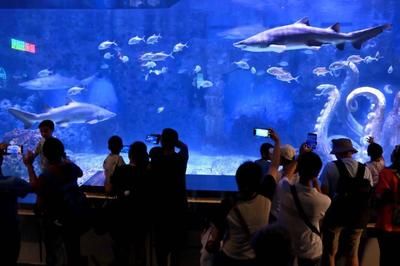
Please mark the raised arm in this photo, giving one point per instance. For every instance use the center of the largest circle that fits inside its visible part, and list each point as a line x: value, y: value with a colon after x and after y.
x: 276, y: 155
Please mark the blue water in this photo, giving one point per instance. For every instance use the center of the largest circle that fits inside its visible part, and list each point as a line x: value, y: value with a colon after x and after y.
x: 215, y: 120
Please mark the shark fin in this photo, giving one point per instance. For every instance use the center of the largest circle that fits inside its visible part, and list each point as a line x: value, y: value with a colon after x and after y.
x: 69, y: 100
x: 335, y: 27
x: 340, y: 46
x: 357, y: 44
x: 304, y: 21
x: 26, y: 117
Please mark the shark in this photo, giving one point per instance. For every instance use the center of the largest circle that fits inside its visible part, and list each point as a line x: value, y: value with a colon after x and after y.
x: 300, y: 35
x: 55, y: 82
x: 72, y: 112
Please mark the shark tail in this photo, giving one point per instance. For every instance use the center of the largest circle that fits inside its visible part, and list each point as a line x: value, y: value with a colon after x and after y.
x: 27, y: 118
x: 361, y: 36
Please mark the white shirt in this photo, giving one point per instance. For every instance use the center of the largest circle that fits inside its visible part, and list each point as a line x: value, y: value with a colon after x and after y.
x: 306, y: 244
x: 376, y: 167
x: 255, y: 212
x: 109, y: 165
x: 330, y: 174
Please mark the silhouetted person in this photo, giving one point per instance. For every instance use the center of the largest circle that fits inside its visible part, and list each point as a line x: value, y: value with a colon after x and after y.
x: 342, y: 180
x: 112, y: 161
x: 46, y: 128
x: 265, y: 161
x: 10, y: 189
x: 376, y: 162
x: 388, y: 198
x: 273, y: 246
x: 168, y: 171
x: 246, y: 212
x: 130, y: 225
x: 56, y: 190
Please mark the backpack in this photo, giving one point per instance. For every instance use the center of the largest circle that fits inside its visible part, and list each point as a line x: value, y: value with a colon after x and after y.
x: 350, y: 206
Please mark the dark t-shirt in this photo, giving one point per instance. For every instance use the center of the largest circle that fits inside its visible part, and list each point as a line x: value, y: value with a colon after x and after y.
x: 52, y: 186
x: 10, y: 189
x: 168, y: 174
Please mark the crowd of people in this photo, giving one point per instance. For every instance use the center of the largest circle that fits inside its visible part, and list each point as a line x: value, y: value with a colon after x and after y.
x: 286, y: 210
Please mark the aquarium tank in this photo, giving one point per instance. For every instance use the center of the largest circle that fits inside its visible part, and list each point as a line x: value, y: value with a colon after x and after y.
x: 212, y: 70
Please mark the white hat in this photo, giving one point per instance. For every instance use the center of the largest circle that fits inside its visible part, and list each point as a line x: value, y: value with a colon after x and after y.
x: 288, y: 152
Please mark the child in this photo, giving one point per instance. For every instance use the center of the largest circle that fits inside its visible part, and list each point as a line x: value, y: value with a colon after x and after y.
x: 112, y: 161
x: 46, y: 128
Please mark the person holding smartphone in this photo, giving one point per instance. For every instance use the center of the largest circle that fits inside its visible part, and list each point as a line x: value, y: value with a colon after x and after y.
x: 168, y: 174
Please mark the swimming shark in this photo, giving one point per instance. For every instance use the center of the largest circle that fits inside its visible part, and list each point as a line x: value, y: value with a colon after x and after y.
x: 72, y: 112
x: 55, y: 82
x: 300, y: 35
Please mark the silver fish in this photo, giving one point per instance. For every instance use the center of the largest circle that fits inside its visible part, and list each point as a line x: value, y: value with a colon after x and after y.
x: 149, y: 64
x: 356, y: 59
x: 73, y: 112
x: 106, y: 44
x: 75, y: 90
x: 44, y: 73
x: 153, y: 39
x: 136, y: 40
x: 287, y: 77
x: 300, y: 35
x: 276, y: 71
x: 242, y: 64
x: 390, y: 70
x: 321, y: 71
x: 179, y: 47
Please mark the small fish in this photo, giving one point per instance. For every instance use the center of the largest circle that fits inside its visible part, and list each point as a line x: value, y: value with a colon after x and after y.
x: 136, y: 40
x: 179, y: 47
x: 283, y: 63
x: 159, y: 71
x: 390, y: 70
x: 104, y: 66
x: 253, y: 70
x: 388, y: 89
x: 197, y: 69
x: 153, y: 39
x: 337, y: 65
x: 106, y: 44
x: 276, y: 71
x: 242, y: 64
x: 369, y: 59
x: 205, y: 84
x: 321, y: 71
x: 108, y: 55
x: 44, y: 73
x: 124, y: 59
x: 160, y: 56
x: 149, y: 64
x: 160, y: 109
x: 75, y: 90
x: 287, y: 78
x: 356, y: 59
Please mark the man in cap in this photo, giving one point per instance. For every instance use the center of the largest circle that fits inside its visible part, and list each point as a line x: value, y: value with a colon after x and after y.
x: 343, y: 180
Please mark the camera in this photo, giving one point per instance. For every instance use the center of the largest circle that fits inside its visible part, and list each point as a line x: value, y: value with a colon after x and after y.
x: 311, y: 140
x: 153, y: 138
x: 261, y: 132
x: 12, y: 149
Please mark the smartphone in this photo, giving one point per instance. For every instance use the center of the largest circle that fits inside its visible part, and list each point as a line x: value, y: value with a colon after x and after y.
x: 13, y: 149
x: 261, y: 132
x: 153, y: 138
x: 312, y: 140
